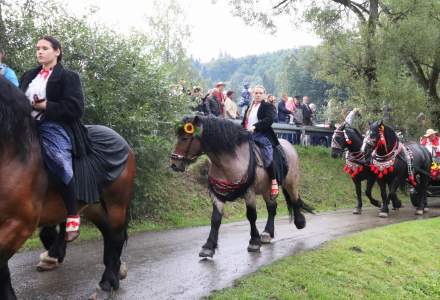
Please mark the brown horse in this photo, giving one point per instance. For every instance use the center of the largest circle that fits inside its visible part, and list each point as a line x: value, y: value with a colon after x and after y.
x: 235, y: 172
x: 28, y: 197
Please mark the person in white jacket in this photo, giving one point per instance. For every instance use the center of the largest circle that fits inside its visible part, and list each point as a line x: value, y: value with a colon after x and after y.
x: 231, y: 108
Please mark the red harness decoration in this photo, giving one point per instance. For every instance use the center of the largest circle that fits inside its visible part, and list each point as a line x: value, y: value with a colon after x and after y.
x: 383, y: 165
x: 353, y: 166
x: 224, y: 187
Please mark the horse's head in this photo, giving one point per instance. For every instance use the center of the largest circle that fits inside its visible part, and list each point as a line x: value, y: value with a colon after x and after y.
x: 345, y: 137
x: 339, y: 143
x: 188, y: 146
x: 374, y: 137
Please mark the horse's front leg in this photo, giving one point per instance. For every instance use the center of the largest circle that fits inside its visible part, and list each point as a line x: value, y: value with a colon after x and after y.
x: 370, y: 182
x: 269, y: 230
x: 6, y: 290
x: 55, y: 245
x: 393, y: 192
x: 358, y: 187
x: 208, y: 249
x: 251, y: 213
x: 383, y: 193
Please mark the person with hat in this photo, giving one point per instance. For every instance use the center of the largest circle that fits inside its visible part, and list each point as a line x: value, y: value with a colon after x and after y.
x: 218, y: 95
x: 5, y: 70
x: 431, y: 141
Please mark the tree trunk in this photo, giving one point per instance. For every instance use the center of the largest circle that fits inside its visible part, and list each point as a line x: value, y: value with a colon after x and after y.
x: 371, y: 60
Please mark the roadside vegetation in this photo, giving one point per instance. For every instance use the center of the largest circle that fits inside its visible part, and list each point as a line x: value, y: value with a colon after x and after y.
x: 394, y: 262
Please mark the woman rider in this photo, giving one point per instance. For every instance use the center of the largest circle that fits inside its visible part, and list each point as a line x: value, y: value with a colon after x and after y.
x: 56, y: 96
x: 258, y: 119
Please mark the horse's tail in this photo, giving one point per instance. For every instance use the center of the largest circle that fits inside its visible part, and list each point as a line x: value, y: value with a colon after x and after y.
x: 298, y: 205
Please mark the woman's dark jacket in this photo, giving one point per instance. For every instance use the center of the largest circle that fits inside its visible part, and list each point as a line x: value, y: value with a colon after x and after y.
x: 65, y: 104
x: 283, y: 112
x: 265, y: 116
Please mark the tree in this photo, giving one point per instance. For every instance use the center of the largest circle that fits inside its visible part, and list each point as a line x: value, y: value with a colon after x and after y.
x: 412, y: 31
x: 126, y: 82
x: 329, y: 18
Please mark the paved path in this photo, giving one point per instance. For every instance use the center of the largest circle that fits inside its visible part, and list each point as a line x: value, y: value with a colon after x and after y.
x: 165, y: 265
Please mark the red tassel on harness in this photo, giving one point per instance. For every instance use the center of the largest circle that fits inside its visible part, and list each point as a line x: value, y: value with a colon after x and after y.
x: 391, y: 168
x: 349, y: 142
x: 412, y: 181
x: 380, y: 175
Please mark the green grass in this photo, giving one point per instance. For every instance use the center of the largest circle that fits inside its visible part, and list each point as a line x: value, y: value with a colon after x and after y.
x: 185, y: 200
x: 394, y: 262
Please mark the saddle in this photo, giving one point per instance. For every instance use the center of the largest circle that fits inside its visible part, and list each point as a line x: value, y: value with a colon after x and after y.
x: 279, y: 161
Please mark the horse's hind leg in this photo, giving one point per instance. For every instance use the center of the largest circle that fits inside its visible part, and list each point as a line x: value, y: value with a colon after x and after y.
x: 251, y: 214
x: 294, y: 205
x: 422, y: 194
x: 55, y: 245
x: 269, y: 230
x: 6, y: 290
x: 114, y: 235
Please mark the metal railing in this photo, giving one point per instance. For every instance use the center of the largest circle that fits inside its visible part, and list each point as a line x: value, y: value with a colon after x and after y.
x: 318, y: 135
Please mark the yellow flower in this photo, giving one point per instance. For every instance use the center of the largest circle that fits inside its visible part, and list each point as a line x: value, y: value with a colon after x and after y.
x: 188, y: 128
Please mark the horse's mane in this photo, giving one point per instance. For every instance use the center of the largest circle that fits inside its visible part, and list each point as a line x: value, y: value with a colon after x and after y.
x: 16, y: 123
x: 222, y: 136
x: 389, y: 133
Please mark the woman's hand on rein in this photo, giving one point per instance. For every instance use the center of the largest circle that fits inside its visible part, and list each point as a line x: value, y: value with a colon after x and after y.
x: 40, y: 105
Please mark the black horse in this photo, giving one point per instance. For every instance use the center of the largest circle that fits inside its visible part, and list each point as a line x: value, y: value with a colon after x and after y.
x: 394, y: 163
x: 346, y: 138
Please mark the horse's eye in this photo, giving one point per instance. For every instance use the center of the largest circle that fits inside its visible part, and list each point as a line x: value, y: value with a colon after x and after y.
x: 183, y: 138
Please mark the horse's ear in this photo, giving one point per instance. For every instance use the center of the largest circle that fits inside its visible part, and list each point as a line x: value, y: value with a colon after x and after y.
x: 197, y: 120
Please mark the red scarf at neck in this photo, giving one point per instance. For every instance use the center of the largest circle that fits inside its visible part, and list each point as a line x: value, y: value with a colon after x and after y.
x: 45, y: 73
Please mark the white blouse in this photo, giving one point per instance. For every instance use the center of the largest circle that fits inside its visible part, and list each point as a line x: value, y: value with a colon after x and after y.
x: 37, y: 88
x: 252, y: 116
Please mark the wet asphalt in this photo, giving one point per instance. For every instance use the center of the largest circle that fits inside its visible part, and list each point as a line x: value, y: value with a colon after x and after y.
x: 165, y: 265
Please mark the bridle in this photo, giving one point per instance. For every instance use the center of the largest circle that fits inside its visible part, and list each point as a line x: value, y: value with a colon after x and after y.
x: 184, y: 158
x: 335, y: 144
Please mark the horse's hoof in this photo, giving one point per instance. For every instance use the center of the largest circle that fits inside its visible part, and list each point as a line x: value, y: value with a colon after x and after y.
x: 396, y: 208
x: 123, y: 271
x: 205, y: 252
x: 265, y: 238
x: 357, y: 211
x: 47, y: 263
x: 43, y: 266
x: 426, y: 209
x: 100, y: 294
x: 253, y: 248
x: 419, y: 212
x: 383, y: 214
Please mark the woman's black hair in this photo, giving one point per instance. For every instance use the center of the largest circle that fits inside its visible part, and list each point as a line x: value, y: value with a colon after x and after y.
x: 55, y: 44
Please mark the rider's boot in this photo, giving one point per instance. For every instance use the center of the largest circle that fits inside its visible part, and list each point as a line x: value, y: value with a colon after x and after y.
x: 73, y: 218
x: 274, y: 191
